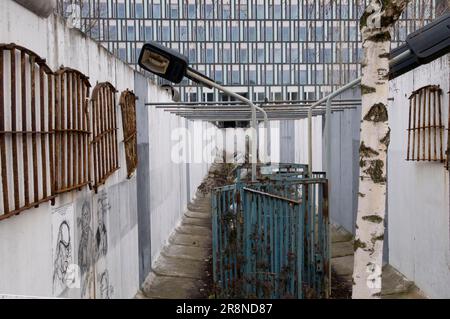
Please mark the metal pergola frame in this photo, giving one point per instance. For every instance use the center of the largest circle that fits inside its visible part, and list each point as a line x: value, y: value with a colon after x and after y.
x: 237, y: 111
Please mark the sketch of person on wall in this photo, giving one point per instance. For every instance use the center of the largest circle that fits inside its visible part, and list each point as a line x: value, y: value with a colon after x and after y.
x: 106, y: 290
x: 86, y: 250
x: 62, y: 256
x: 101, y: 235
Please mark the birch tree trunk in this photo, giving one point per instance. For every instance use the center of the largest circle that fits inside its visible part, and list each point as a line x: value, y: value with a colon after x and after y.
x: 376, y: 27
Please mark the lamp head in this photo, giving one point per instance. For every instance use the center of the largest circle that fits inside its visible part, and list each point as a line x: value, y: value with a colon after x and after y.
x: 164, y: 62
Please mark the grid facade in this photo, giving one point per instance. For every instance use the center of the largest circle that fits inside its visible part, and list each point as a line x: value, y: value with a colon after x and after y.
x: 275, y: 50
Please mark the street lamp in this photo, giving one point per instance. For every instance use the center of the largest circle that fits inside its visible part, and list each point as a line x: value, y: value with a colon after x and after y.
x: 173, y: 66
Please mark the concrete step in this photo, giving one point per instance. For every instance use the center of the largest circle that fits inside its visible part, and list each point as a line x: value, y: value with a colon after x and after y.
x: 414, y: 293
x: 163, y: 287
x: 196, y: 221
x: 343, y: 266
x: 194, y: 230
x: 192, y: 214
x: 340, y: 249
x: 339, y: 234
x: 199, y: 208
x: 179, y: 267
x: 190, y: 240
x: 393, y: 282
x: 186, y: 252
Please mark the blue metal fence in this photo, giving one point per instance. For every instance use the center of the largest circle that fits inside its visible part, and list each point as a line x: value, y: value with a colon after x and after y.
x: 270, y: 238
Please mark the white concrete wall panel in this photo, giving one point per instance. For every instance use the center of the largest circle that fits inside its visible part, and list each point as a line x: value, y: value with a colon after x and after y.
x: 418, y: 192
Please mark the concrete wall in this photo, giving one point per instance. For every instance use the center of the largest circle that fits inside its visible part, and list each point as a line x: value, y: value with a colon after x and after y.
x: 133, y: 217
x: 418, y: 192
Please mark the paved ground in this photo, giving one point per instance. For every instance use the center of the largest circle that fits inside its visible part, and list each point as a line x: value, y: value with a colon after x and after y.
x: 181, y: 271
x: 394, y: 284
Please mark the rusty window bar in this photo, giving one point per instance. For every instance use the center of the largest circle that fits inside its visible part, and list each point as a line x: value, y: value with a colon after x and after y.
x: 447, y: 152
x: 104, y: 140
x: 128, y: 105
x: 26, y: 155
x: 71, y: 125
x: 425, y: 128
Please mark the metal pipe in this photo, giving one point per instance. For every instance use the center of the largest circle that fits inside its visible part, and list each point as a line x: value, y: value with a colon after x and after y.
x: 327, y: 119
x: 253, y: 108
x: 290, y: 102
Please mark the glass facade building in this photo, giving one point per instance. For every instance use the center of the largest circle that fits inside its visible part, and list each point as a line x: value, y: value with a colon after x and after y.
x: 275, y: 50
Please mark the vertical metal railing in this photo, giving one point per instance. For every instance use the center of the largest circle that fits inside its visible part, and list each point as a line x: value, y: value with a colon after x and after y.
x: 271, y: 239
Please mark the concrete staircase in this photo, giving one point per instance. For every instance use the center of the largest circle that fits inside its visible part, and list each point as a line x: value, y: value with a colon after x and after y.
x: 182, y: 270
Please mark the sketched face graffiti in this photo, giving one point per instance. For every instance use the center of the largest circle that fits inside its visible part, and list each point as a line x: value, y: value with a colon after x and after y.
x: 101, y: 234
x: 106, y: 290
x: 85, y: 248
x: 63, y: 256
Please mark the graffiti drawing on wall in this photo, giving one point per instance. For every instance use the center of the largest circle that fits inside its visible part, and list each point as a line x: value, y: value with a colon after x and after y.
x: 86, y: 249
x: 101, y: 234
x: 106, y: 290
x: 63, y: 247
x: 102, y: 208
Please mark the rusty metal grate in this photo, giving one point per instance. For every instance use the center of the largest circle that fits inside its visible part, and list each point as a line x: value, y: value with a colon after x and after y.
x: 128, y: 105
x: 26, y: 154
x: 425, y: 129
x: 104, y: 127
x: 447, y: 152
x: 71, y: 123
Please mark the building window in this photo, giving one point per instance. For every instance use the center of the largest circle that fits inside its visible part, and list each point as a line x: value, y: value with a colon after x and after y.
x: 218, y: 33
x: 234, y: 33
x: 277, y: 55
x: 148, y: 33
x: 156, y: 11
x: 243, y: 11
x: 120, y: 10
x: 269, y: 77
x: 26, y: 135
x: 72, y: 128
x: 260, y: 11
x: 191, y: 11
x: 130, y: 33
x: 243, y: 55
x: 183, y: 33
x: 252, y: 33
x: 235, y: 78
x: 139, y: 11
x: 218, y: 76
x: 252, y: 77
x: 286, y: 33
x: 104, y: 133
x: 260, y: 57
x: 209, y: 11
x: 226, y: 56
x: 174, y: 11
x: 209, y: 56
x: 425, y: 129
x: 166, y: 33
x: 128, y: 105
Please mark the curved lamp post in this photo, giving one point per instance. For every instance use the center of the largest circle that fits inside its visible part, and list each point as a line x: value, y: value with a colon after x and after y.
x: 173, y: 66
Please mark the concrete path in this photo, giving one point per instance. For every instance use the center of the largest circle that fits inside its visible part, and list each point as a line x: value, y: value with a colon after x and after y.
x: 394, y: 284
x: 182, y: 270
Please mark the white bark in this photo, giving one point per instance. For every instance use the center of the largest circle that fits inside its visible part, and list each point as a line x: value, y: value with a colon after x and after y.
x: 373, y: 149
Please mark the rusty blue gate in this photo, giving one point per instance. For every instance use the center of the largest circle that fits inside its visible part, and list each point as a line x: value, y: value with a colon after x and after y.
x: 271, y: 237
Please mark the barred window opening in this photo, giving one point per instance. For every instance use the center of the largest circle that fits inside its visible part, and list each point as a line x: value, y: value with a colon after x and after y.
x: 71, y: 122
x: 26, y: 153
x: 104, y: 129
x: 425, y: 128
x: 128, y: 105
